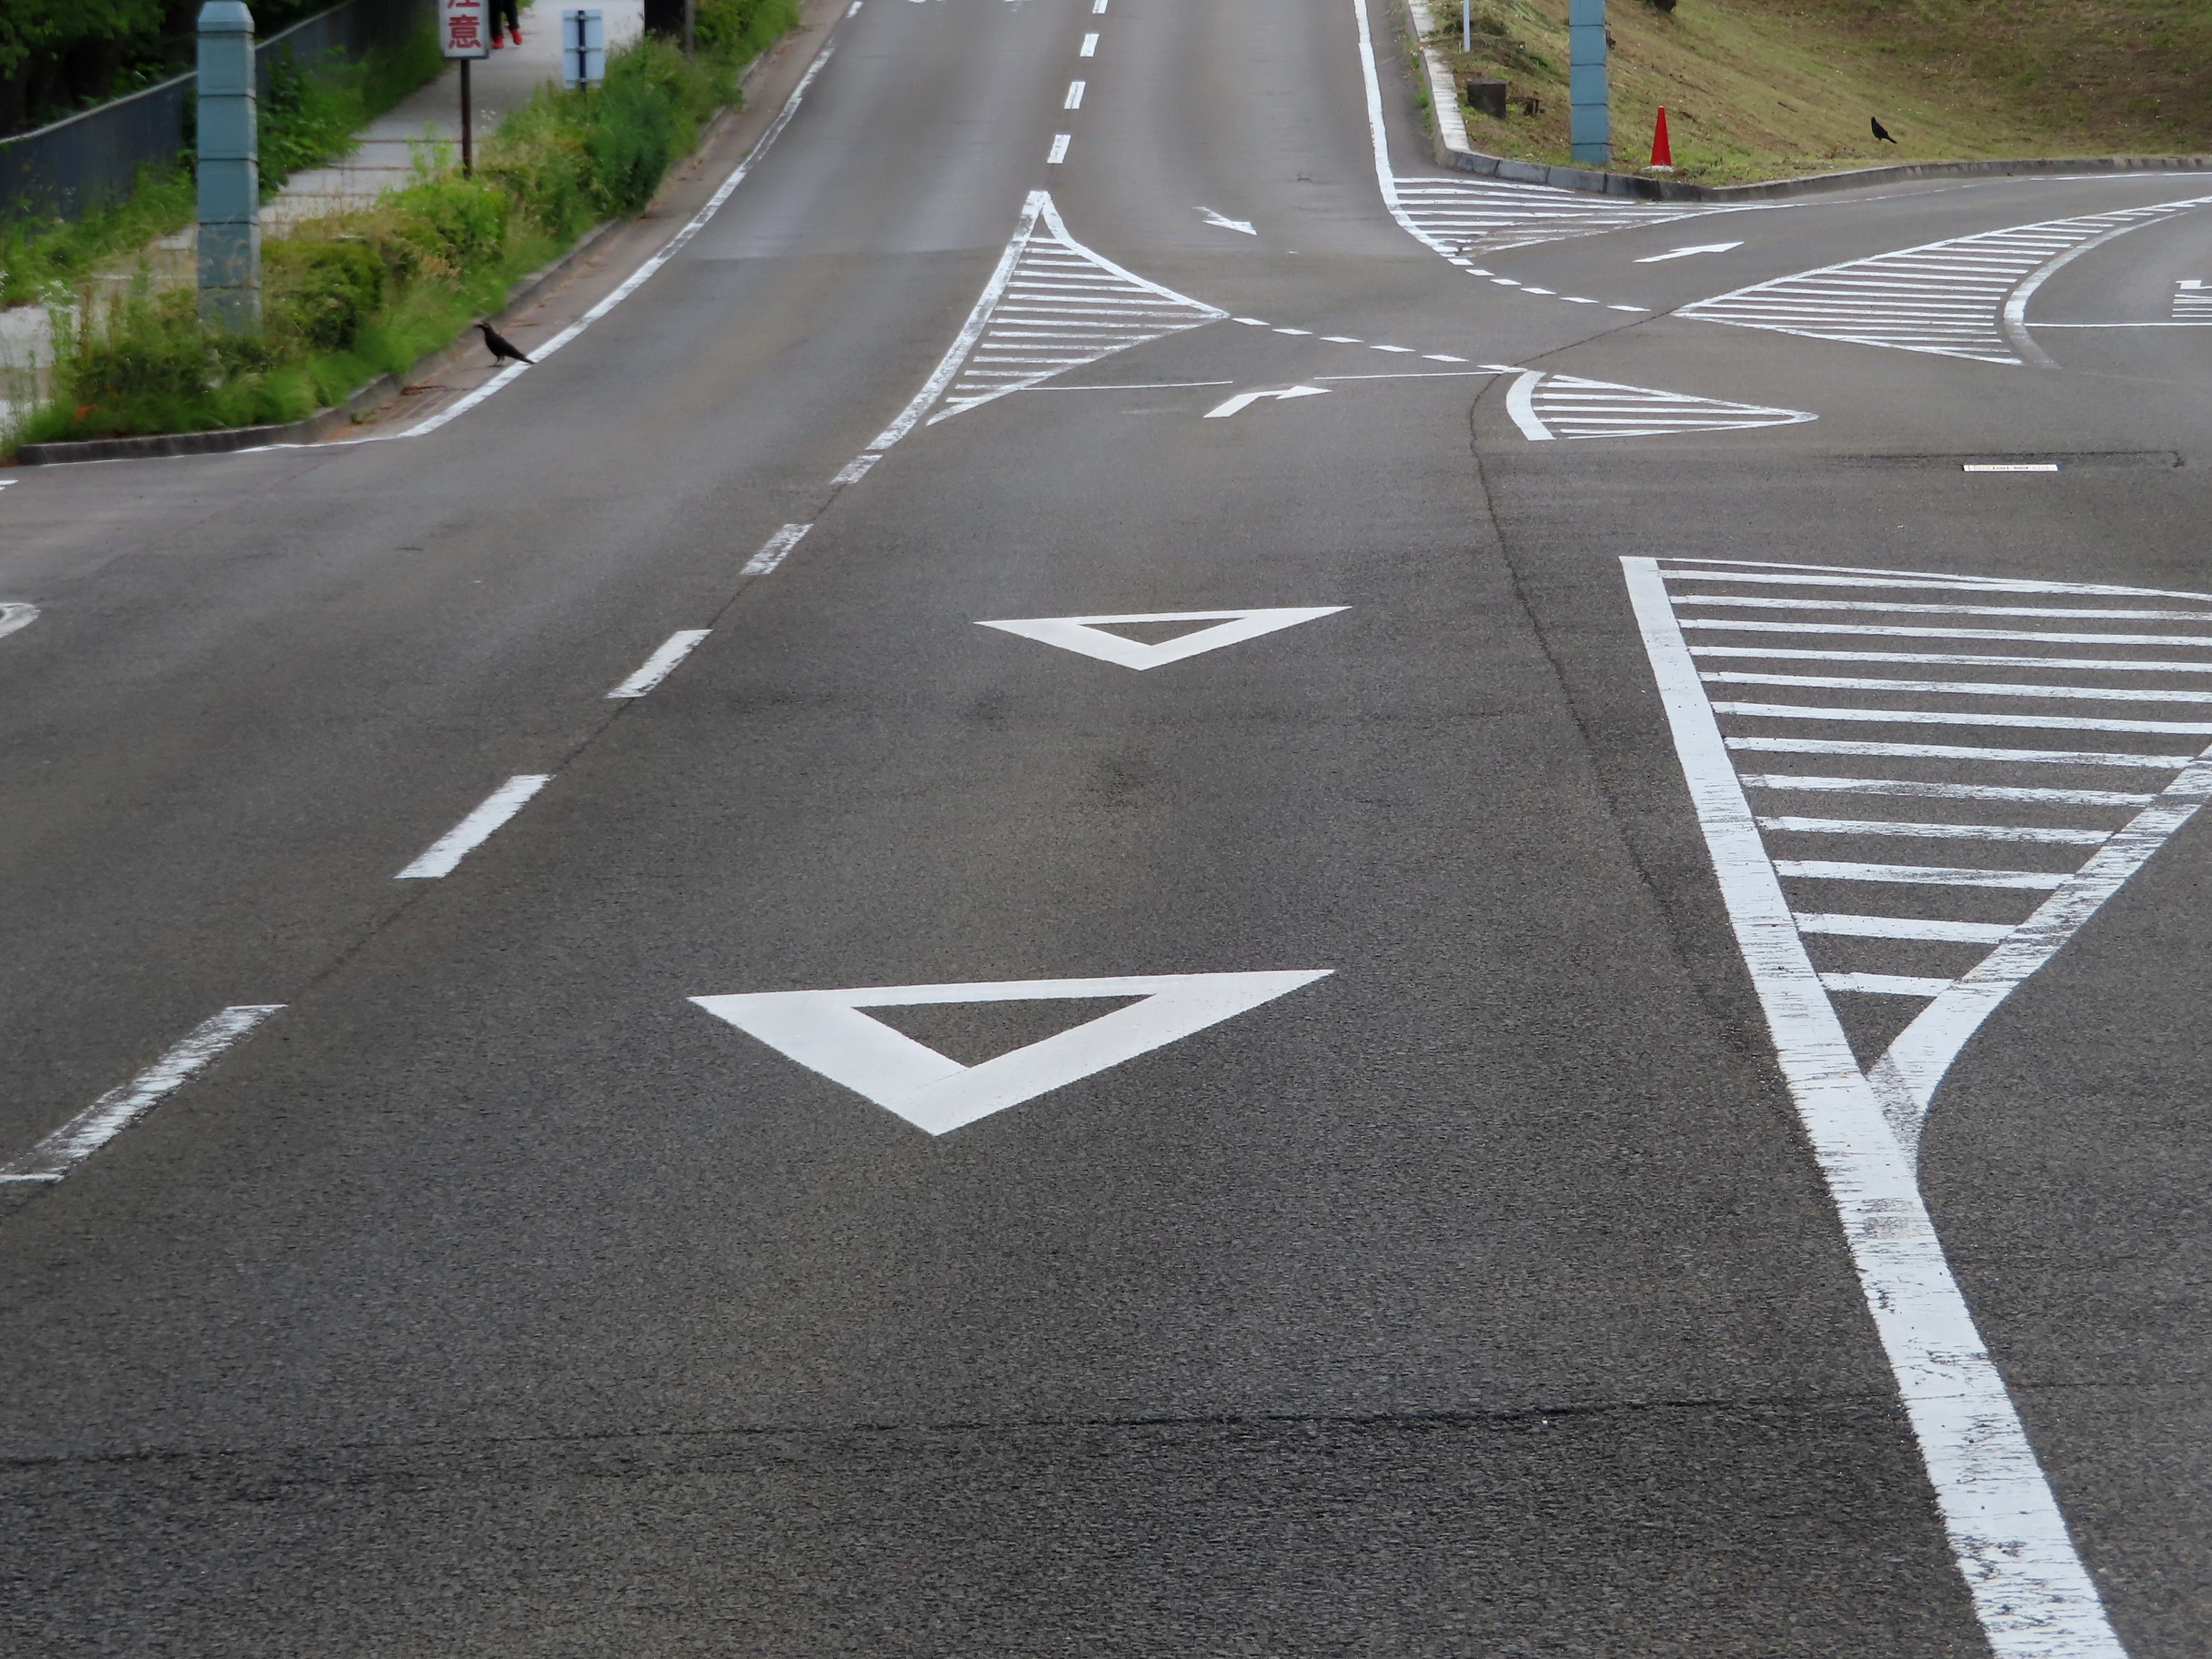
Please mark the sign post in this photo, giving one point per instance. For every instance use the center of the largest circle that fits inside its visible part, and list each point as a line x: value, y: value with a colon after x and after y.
x: 1589, y: 102
x: 461, y: 34
x: 583, y: 49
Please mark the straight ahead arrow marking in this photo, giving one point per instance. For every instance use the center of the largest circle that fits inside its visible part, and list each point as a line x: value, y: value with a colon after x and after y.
x: 1683, y: 253
x: 1228, y: 224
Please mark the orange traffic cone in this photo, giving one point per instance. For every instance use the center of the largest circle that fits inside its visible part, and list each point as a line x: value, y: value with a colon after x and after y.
x: 1663, y: 153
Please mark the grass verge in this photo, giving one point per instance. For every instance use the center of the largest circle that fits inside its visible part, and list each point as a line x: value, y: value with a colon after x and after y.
x: 366, y: 292
x: 309, y: 118
x: 1772, y: 88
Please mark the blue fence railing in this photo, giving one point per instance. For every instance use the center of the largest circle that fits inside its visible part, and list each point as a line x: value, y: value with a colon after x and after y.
x: 67, y: 169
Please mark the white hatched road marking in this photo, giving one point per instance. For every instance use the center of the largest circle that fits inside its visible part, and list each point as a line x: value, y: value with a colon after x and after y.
x: 2033, y: 1596
x: 1547, y: 405
x: 1052, y: 304
x: 2193, y: 300
x: 1963, y: 297
x: 1458, y: 217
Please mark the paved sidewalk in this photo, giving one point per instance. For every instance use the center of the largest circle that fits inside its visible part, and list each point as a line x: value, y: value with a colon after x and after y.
x: 500, y: 82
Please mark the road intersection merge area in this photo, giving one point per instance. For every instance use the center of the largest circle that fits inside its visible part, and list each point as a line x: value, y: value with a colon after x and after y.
x: 1121, y: 877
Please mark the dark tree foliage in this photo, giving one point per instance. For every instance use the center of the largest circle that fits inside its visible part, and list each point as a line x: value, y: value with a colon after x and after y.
x: 57, y: 57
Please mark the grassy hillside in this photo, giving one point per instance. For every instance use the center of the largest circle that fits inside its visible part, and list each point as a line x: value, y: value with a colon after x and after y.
x: 1768, y: 89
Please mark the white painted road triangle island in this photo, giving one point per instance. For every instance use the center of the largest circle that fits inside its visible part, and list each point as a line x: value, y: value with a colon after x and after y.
x: 1088, y: 635
x: 827, y: 1031
x: 2005, y: 722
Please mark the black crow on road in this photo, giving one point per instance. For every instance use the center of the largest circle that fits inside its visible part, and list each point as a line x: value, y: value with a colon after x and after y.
x: 1880, y: 131
x: 501, y: 346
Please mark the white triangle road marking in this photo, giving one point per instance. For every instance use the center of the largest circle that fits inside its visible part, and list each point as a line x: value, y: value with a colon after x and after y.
x: 1088, y: 635
x: 826, y: 1032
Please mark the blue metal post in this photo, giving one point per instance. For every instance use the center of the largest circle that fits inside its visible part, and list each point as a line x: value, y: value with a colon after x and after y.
x: 229, y: 169
x: 1589, y: 101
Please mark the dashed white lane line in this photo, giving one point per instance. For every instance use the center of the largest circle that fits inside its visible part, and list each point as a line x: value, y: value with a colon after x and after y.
x: 443, y: 854
x: 1090, y: 47
x: 662, y: 663
x: 777, y: 548
x: 13, y: 617
x: 1075, y: 95
x: 119, y: 1109
x: 2009, y: 467
x: 1059, y: 149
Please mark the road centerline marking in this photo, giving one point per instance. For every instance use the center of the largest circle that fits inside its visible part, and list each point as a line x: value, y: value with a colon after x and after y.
x: 662, y: 663
x: 65, y: 1148
x: 440, y: 858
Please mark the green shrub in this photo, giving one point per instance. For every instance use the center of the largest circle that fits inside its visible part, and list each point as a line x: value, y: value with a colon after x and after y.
x: 319, y: 294
x: 368, y: 292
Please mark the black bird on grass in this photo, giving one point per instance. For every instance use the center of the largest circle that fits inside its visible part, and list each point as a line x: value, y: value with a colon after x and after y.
x: 501, y: 346
x: 1880, y: 131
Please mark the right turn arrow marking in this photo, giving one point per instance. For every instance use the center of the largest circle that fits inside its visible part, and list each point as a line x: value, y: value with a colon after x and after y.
x: 1244, y: 400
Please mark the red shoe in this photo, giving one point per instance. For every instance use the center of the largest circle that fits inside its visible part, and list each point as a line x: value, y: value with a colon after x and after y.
x: 517, y: 37
x: 496, y: 43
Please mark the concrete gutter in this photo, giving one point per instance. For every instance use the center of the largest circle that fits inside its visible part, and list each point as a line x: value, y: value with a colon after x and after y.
x: 1453, y: 148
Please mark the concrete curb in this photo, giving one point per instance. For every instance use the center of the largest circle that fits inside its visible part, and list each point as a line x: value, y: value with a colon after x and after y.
x: 380, y: 391
x: 1451, y: 147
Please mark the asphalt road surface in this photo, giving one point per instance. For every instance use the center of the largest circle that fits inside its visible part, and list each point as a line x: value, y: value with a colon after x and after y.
x: 1607, y: 1058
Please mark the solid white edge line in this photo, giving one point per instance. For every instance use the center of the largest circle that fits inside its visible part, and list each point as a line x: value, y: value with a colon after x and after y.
x: 440, y: 856
x: 775, y: 550
x: 1519, y: 403
x: 637, y: 277
x: 971, y: 331
x: 119, y: 1109
x: 16, y: 616
x: 2012, y: 319
x: 2035, y: 1598
x: 662, y: 663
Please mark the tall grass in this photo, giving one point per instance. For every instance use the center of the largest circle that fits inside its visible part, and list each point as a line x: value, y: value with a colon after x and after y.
x: 369, y: 292
x: 309, y: 117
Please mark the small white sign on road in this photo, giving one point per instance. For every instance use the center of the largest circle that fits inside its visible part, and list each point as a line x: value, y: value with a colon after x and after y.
x: 1088, y: 635
x: 826, y: 1032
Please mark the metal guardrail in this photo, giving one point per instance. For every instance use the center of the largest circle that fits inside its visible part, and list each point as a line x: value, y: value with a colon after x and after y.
x: 67, y: 169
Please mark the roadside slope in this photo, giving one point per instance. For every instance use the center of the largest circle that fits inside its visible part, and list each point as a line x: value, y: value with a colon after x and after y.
x: 1770, y: 89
